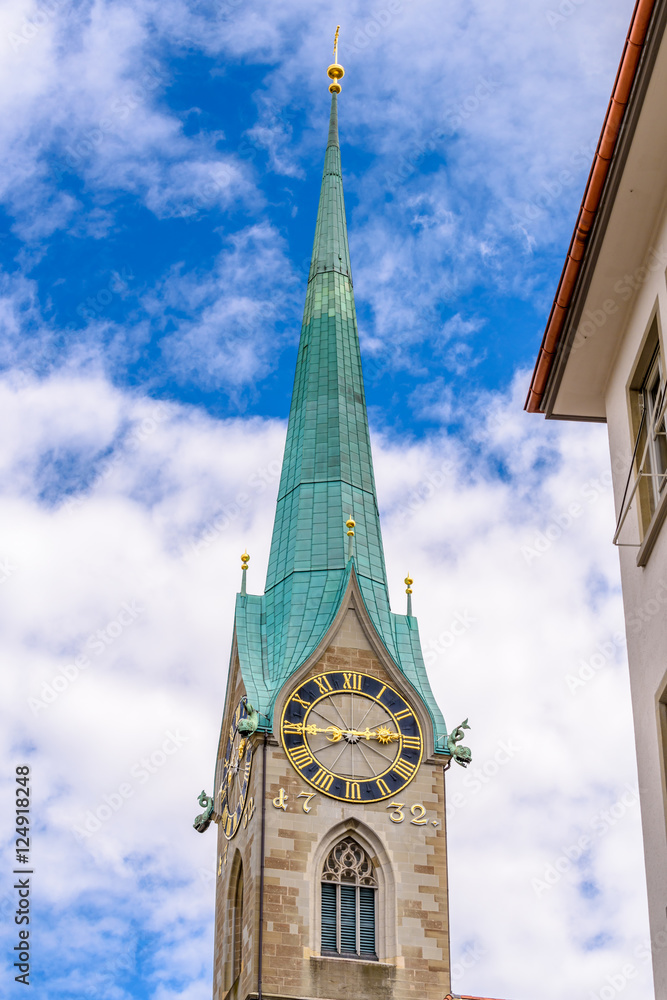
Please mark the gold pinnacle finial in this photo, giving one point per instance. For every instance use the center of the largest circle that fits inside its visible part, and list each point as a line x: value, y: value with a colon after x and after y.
x: 409, y: 582
x: 245, y: 559
x: 349, y: 524
x: 335, y: 71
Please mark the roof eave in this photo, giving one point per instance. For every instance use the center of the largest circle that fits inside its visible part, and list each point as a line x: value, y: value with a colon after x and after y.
x: 625, y: 93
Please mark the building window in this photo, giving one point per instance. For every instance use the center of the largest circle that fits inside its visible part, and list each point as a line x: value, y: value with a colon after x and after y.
x: 349, y: 890
x: 652, y: 442
x: 647, y: 475
x: 649, y: 465
x: 237, y: 928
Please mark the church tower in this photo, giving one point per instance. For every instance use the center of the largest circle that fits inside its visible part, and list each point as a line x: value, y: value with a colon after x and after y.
x: 329, y: 788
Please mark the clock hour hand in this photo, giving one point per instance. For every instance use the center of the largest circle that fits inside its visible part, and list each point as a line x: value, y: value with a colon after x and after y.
x: 335, y: 734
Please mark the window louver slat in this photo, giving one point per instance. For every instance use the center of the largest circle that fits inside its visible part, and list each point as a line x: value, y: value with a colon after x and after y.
x: 367, y: 921
x: 348, y: 919
x: 329, y: 942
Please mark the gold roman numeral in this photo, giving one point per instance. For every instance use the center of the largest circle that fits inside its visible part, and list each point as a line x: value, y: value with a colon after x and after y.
x: 301, y: 756
x: 352, y: 682
x: 383, y: 786
x: 404, y: 768
x: 323, y: 779
x: 404, y: 714
x: 304, y: 704
x: 411, y: 742
x: 352, y: 790
x: 323, y: 684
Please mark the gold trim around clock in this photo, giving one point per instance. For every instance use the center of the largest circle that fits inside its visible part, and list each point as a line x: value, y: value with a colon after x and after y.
x: 406, y: 733
x: 235, y: 768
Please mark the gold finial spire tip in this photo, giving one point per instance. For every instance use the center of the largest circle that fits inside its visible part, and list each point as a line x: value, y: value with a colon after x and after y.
x: 335, y: 71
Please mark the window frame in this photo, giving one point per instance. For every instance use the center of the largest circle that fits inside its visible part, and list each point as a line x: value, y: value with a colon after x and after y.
x: 647, y: 414
x: 386, y: 913
x: 651, y: 460
x: 327, y: 878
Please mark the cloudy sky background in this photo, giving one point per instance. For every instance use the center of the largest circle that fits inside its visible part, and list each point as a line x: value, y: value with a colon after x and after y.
x: 159, y: 179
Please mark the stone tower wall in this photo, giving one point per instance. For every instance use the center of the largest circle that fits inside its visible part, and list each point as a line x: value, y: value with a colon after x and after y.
x: 409, y: 857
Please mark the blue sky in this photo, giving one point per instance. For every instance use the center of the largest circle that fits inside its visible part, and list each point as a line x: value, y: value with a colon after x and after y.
x: 160, y: 169
x: 133, y: 203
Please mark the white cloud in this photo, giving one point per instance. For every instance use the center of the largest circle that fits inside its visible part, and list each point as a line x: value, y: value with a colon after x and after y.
x: 170, y: 499
x: 93, y: 79
x: 230, y: 322
x: 223, y: 327
x: 503, y: 113
x: 90, y: 104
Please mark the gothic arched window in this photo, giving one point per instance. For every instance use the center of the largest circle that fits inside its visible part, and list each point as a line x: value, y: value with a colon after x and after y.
x: 348, y: 903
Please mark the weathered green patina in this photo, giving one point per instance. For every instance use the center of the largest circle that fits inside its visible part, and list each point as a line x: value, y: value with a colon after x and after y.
x: 327, y: 476
x: 249, y: 725
x: 462, y: 755
x: 203, y: 821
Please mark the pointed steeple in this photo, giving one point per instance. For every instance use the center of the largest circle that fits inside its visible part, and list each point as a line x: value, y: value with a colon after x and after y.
x: 327, y: 471
x: 327, y: 480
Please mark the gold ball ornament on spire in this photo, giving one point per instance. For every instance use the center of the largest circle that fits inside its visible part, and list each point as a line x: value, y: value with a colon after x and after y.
x: 408, y: 590
x: 245, y: 559
x: 349, y: 524
x: 335, y: 71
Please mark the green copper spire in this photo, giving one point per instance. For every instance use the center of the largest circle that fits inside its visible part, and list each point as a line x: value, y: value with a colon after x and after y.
x: 327, y: 487
x: 328, y: 468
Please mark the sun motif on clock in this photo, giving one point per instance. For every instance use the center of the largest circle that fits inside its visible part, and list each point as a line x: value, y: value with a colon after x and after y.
x: 234, y: 774
x: 351, y: 736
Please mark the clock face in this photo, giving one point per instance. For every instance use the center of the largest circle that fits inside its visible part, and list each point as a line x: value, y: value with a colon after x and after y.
x: 351, y: 736
x: 233, y: 790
